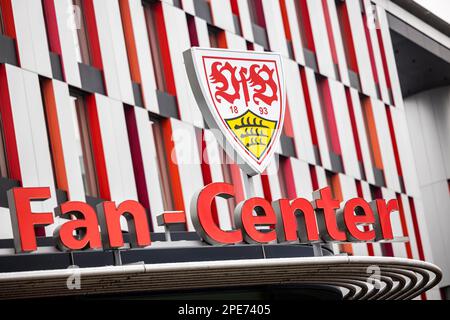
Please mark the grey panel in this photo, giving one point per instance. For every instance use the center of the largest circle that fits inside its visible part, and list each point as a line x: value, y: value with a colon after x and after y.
x: 336, y: 162
x: 287, y: 146
x: 379, y: 177
x: 137, y: 92
x: 7, y: 50
x: 91, y: 79
x: 260, y: 36
x: 5, y: 185
x: 55, y: 61
x: 354, y: 80
x: 167, y: 105
x: 203, y: 10
x: 237, y: 25
x: 310, y: 59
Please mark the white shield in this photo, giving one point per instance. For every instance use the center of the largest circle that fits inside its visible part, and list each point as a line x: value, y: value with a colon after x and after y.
x: 240, y: 93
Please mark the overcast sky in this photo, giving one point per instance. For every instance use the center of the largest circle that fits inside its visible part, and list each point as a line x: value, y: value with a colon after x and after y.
x: 441, y: 8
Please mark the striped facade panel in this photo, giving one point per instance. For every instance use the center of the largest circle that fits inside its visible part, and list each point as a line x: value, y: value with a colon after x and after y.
x: 143, y: 52
x: 114, y: 56
x: 276, y: 32
x: 366, y: 75
x: 63, y: 9
x: 297, y: 110
x: 31, y: 36
x: 321, y: 39
x: 245, y: 20
x: 222, y: 15
x: 178, y: 39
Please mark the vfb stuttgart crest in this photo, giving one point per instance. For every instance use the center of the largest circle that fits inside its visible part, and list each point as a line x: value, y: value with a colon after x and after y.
x: 242, y: 95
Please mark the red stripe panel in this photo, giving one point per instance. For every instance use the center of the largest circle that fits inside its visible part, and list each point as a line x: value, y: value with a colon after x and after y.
x: 94, y: 42
x: 52, y: 26
x: 416, y: 228
x: 286, y: 166
x: 164, y: 47
x: 394, y: 142
x: 206, y: 169
x: 304, y: 15
x: 347, y: 37
x: 136, y: 157
x: 287, y: 28
x: 8, y: 127
x: 370, y: 47
x: 326, y: 13
x: 308, y: 105
x: 172, y: 165
x: 97, y: 148
x: 404, y: 226
x: 330, y: 117
x: 353, y: 123
x: 383, y: 58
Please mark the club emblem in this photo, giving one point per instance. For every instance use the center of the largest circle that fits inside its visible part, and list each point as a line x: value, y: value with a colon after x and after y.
x: 242, y: 95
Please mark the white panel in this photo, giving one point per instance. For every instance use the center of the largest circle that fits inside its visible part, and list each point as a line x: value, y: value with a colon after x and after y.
x: 63, y: 9
x: 390, y: 57
x: 386, y: 149
x: 295, y: 31
x: 31, y: 36
x: 246, y: 22
x: 235, y: 42
x: 407, y: 145
x: 426, y: 103
x: 67, y: 128
x: 321, y: 177
x: 362, y: 134
x: 275, y: 27
x: 302, y: 178
x: 410, y: 226
x: 201, y: 27
x: 361, y: 49
x: 398, y: 247
x: 321, y: 40
x: 222, y: 14
x: 377, y: 56
x: 318, y: 118
x: 274, y: 182
x: 187, y: 155
x: 5, y: 224
x: 215, y: 165
x: 339, y: 44
x: 344, y: 127
x: 299, y: 116
x: 150, y: 163
x: 178, y: 38
x: 116, y: 149
x: 30, y: 133
x: 348, y: 187
x: 442, y: 118
x: 144, y: 55
x: 188, y: 6
x: 113, y: 51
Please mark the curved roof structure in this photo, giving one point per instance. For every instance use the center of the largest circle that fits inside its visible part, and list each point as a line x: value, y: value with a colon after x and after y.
x: 359, y: 278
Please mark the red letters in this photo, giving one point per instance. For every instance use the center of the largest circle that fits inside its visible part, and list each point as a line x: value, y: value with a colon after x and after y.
x: 265, y: 217
x: 202, y: 218
x: 356, y: 212
x: 136, y: 216
x: 23, y: 220
x: 85, y: 225
x: 257, y: 221
x: 297, y: 220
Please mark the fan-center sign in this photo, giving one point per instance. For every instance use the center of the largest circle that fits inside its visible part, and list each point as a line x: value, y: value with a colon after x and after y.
x: 297, y: 221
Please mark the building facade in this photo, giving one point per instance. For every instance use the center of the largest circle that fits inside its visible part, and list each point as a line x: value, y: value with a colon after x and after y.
x: 95, y: 103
